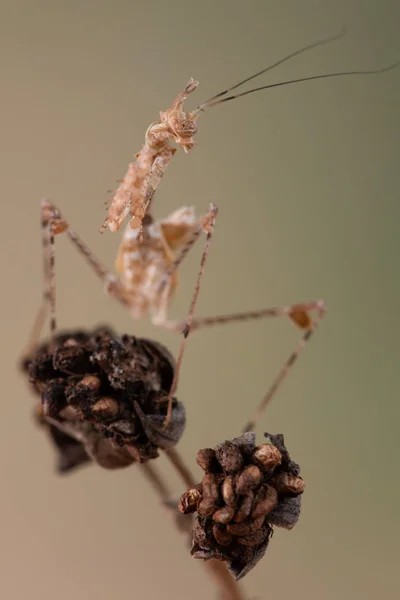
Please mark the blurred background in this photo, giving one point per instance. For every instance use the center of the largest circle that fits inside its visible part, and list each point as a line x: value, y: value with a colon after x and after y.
x: 307, y: 181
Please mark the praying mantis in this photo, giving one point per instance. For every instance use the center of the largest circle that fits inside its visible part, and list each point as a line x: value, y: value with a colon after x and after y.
x: 152, y: 251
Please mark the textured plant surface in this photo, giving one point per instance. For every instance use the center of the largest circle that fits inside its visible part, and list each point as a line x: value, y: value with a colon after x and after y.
x: 246, y: 490
x: 105, y: 398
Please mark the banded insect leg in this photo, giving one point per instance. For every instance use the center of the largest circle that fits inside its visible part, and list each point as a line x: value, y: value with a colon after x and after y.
x: 204, y: 224
x: 299, y: 313
x: 52, y: 224
x: 209, y: 227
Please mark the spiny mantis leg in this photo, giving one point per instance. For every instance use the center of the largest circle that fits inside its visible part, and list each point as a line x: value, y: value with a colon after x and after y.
x: 209, y: 227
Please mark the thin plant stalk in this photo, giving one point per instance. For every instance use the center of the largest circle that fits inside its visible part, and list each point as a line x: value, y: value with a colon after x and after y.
x: 229, y: 589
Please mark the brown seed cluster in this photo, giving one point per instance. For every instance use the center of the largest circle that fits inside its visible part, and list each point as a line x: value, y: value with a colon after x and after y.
x: 105, y: 397
x: 246, y: 490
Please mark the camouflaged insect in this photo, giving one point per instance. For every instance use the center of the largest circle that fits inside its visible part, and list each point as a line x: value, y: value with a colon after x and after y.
x: 104, y: 398
x: 247, y: 489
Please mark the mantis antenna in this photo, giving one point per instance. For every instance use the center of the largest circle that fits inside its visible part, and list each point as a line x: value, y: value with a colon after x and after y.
x: 219, y: 99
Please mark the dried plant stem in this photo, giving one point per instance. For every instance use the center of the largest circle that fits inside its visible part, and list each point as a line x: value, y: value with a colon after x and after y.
x: 230, y: 590
x: 176, y: 459
x: 151, y: 474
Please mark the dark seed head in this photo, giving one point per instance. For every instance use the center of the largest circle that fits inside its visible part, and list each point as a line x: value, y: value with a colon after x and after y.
x: 245, y: 493
x: 108, y: 388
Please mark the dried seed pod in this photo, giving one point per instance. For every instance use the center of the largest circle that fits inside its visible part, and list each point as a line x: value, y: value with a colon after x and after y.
x: 91, y: 381
x: 107, y: 407
x: 248, y: 479
x: 265, y: 501
x: 223, y: 515
x: 286, y: 483
x: 206, y: 459
x: 108, y: 394
x: 53, y: 397
x: 268, y: 456
x: 287, y: 465
x: 245, y: 508
x: 256, y: 538
x: 209, y: 486
x: 72, y: 359
x: 228, y: 490
x: 246, y: 527
x: 206, y: 506
x: 241, y: 503
x: 229, y: 457
x: 189, y: 500
x: 221, y: 535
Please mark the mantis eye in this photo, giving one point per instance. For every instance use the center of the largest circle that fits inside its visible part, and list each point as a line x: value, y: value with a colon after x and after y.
x: 184, y: 128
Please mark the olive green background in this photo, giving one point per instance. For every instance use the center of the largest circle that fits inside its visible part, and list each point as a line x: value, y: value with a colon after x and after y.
x: 307, y: 181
